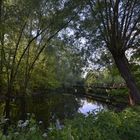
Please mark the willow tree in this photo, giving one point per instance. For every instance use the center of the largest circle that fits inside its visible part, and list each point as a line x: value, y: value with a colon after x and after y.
x: 28, y: 27
x: 114, y: 24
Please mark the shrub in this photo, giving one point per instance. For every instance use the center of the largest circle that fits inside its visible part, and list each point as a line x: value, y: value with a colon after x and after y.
x: 106, y: 125
x: 23, y: 130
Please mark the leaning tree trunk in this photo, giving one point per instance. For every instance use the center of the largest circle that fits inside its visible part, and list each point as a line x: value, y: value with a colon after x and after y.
x: 124, y: 69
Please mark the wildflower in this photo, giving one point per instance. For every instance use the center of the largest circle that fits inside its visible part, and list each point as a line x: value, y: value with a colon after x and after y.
x: 58, y: 125
x: 44, y: 135
x: 25, y: 123
x: 6, y: 119
x: 50, y: 128
x: 16, y: 133
x: 20, y: 121
x: 28, y: 114
x: 32, y: 128
x: 40, y: 122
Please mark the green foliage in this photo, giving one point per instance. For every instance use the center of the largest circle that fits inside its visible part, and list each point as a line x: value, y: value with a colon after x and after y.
x: 106, y: 125
x: 58, y: 65
x: 28, y: 130
x: 135, y: 66
x: 110, y: 78
x: 27, y: 29
x: 108, y: 75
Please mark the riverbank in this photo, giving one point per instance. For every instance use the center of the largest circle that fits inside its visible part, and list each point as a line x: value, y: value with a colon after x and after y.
x: 105, y: 125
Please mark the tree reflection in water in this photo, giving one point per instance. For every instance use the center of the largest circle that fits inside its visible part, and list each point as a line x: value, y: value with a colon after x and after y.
x: 48, y: 108
x: 52, y: 108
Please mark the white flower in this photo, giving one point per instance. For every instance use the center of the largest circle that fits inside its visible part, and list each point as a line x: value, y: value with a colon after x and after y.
x: 58, y: 125
x: 49, y: 128
x: 19, y: 125
x: 44, y: 135
x: 20, y: 121
x: 28, y: 114
x: 6, y: 119
x: 125, y: 117
x: 16, y: 133
x: 32, y: 128
x: 25, y: 123
x: 40, y: 122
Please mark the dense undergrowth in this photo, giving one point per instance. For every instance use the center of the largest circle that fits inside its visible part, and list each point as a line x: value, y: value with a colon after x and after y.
x: 106, y: 125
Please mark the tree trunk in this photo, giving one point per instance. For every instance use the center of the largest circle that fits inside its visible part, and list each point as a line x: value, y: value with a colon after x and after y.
x: 7, y: 108
x: 124, y: 69
x: 23, y: 114
x: 7, y: 112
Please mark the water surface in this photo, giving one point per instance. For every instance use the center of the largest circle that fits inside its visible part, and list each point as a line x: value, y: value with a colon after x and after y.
x: 49, y: 108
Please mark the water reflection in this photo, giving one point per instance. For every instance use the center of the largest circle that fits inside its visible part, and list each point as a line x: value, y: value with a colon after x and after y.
x: 49, y: 108
x: 88, y: 107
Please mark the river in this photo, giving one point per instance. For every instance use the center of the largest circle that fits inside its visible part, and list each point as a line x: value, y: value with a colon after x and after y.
x: 48, y: 108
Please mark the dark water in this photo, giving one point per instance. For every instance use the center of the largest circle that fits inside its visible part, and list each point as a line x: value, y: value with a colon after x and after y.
x: 52, y: 107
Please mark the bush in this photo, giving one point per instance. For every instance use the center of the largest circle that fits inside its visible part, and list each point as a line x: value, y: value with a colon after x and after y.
x: 23, y: 130
x: 106, y: 125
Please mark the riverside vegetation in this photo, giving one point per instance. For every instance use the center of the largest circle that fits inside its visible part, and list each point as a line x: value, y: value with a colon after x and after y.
x: 51, y: 46
x: 106, y: 125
